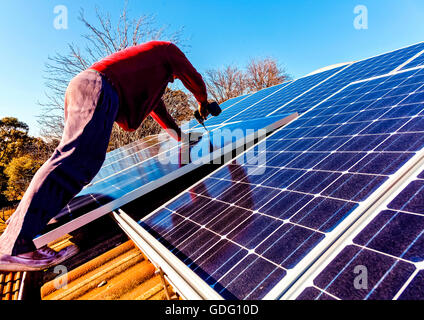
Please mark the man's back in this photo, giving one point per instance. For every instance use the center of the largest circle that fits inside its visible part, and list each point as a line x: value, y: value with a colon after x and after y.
x: 141, y: 73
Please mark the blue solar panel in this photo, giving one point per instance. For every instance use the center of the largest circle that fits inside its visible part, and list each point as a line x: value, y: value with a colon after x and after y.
x: 286, y: 94
x: 122, y: 179
x: 224, y: 107
x: 318, y: 169
x: 417, y: 62
x: 140, y: 151
x: 137, y: 152
x: 390, y: 247
x: 360, y: 70
x: 228, y: 114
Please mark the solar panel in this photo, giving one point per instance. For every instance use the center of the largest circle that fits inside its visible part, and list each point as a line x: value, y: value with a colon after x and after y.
x: 127, y: 156
x: 268, y: 100
x: 254, y: 98
x: 136, y: 153
x: 388, y: 246
x: 224, y: 107
x: 360, y: 70
x: 250, y: 235
x: 133, y: 154
x: 286, y: 94
x: 127, y: 147
x: 121, y: 187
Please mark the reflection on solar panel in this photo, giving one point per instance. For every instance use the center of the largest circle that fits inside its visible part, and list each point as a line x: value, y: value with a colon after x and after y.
x: 142, y: 175
x: 224, y: 106
x: 228, y: 114
x: 287, y: 94
x: 389, y: 248
x: 417, y: 62
x: 139, y: 151
x: 250, y: 235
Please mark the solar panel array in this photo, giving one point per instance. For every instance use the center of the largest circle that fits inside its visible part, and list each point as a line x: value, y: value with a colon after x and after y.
x: 364, y: 69
x: 250, y: 229
x: 390, y: 249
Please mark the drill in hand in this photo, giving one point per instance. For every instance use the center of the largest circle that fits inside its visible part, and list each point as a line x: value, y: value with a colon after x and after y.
x: 213, y: 108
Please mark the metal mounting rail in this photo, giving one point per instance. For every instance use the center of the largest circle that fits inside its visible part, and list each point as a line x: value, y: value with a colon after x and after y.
x: 187, y: 283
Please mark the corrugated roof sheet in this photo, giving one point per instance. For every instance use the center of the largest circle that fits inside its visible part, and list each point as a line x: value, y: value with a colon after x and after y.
x: 122, y: 273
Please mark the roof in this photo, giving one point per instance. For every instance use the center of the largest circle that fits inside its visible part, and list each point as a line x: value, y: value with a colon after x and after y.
x: 10, y: 284
x: 122, y: 273
x: 108, y: 267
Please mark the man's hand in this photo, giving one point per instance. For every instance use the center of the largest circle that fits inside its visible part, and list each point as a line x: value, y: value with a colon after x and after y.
x: 203, y: 110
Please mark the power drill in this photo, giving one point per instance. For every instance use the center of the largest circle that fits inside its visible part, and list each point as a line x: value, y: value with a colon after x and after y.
x: 213, y: 108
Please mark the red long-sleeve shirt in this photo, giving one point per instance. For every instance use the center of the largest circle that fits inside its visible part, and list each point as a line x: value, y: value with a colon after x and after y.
x: 141, y: 74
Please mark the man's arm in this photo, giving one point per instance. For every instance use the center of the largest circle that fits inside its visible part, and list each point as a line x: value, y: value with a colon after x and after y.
x: 192, y: 80
x: 161, y: 116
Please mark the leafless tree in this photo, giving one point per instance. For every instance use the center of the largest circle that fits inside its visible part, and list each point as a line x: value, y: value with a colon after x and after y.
x: 264, y: 73
x: 226, y: 83
x: 231, y: 82
x: 103, y: 37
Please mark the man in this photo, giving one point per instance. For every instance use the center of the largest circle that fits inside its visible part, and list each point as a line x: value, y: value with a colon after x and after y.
x: 125, y: 87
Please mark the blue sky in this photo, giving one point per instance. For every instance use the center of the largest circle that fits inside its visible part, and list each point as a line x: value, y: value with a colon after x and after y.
x: 303, y: 35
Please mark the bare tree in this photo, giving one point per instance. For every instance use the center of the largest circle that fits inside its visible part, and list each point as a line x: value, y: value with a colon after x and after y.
x: 103, y: 37
x: 264, y: 73
x: 226, y: 83
x: 231, y: 82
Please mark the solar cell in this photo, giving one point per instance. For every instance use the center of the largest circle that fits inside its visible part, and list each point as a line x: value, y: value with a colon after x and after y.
x: 388, y: 246
x: 319, y: 171
x: 107, y: 194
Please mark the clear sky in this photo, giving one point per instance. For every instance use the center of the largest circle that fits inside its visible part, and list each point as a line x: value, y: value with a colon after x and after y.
x: 303, y: 35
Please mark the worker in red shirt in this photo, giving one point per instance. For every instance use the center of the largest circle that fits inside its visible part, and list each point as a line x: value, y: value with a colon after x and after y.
x: 125, y: 87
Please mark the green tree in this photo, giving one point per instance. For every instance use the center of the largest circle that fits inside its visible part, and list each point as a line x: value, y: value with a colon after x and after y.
x: 19, y: 173
x: 14, y: 139
x: 18, y: 151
